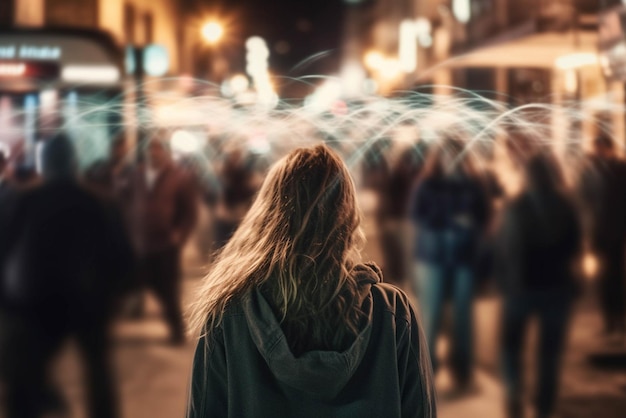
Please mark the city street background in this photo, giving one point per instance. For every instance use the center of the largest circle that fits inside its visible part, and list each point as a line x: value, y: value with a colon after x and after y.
x: 154, y: 376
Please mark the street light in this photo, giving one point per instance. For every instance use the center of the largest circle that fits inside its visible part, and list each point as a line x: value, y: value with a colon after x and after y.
x: 212, y: 32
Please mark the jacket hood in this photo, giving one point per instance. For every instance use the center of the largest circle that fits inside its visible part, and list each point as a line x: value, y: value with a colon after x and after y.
x: 320, y: 374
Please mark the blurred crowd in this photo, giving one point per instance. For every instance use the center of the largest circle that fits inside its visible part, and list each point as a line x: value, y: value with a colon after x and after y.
x: 450, y: 230
x: 79, y: 249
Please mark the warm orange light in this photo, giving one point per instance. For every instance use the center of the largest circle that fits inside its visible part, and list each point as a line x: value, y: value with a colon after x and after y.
x: 590, y: 265
x: 212, y: 32
x: 374, y: 60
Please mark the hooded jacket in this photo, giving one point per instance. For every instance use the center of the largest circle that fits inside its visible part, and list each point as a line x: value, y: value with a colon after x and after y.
x: 248, y: 369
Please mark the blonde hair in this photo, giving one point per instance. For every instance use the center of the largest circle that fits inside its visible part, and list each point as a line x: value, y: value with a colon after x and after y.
x: 298, y: 243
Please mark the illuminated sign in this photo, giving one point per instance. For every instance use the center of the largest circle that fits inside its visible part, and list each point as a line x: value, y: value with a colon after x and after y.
x: 35, y: 70
x: 48, y: 53
x: 12, y: 70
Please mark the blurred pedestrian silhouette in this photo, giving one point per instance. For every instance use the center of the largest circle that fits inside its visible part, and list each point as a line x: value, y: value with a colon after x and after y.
x: 111, y: 176
x: 392, y: 214
x: 291, y: 324
x: 539, y: 245
x: 6, y: 188
x: 450, y: 210
x: 163, y: 216
x: 239, y: 185
x: 62, y: 258
x: 603, y: 200
x: 7, y: 191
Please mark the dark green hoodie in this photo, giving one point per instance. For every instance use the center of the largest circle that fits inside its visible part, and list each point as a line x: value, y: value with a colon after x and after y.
x: 248, y: 370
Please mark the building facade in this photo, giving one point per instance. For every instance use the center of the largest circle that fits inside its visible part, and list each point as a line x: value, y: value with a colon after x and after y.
x: 519, y: 52
x: 130, y: 22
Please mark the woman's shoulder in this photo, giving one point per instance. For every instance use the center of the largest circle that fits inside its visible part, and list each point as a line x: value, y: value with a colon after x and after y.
x: 389, y: 298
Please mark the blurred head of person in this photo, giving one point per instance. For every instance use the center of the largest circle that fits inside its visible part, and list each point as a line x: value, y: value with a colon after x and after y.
x: 603, y: 146
x: 58, y: 159
x: 448, y: 159
x: 298, y: 244
x: 543, y: 174
x: 159, y: 155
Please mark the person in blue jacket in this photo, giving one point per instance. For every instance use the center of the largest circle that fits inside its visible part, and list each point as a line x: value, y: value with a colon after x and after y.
x: 450, y: 210
x: 290, y: 323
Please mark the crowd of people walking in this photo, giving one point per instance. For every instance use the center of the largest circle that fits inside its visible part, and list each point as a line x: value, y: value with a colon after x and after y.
x: 77, y: 250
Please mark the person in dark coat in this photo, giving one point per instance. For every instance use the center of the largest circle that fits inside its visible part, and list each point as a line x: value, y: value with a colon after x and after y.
x: 290, y: 323
x: 111, y: 177
x: 539, y: 245
x: 392, y: 215
x: 450, y: 210
x: 4, y: 181
x: 603, y: 201
x: 163, y: 214
x: 6, y: 188
x: 238, y: 186
x: 62, y: 258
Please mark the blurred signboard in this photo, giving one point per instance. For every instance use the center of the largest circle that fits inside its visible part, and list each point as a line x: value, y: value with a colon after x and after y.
x: 28, y: 69
x: 612, y: 42
x: 33, y: 59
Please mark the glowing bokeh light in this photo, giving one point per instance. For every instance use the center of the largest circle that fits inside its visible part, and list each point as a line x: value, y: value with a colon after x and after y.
x: 156, y: 60
x: 576, y: 60
x: 212, y: 32
x: 374, y: 60
x: 185, y: 142
x: 239, y: 83
x: 462, y: 10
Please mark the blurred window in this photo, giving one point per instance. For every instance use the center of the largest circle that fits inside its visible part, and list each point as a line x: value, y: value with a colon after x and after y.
x: 7, y: 12
x: 129, y: 23
x: 148, y: 27
x: 68, y: 13
x: 522, y: 11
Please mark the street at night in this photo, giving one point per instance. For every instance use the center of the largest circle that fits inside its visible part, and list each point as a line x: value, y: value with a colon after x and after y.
x: 339, y: 208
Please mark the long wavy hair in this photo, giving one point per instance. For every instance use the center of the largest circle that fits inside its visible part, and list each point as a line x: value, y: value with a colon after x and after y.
x: 298, y: 244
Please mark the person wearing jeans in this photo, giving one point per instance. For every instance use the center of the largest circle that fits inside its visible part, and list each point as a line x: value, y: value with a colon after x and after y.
x: 449, y: 209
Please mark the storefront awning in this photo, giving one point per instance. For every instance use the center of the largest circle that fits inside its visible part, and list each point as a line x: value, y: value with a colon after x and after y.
x: 540, y: 50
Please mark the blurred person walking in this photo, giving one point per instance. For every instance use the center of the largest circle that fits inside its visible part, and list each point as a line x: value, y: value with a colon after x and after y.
x: 291, y: 324
x: 450, y: 210
x: 239, y: 184
x: 62, y: 258
x: 603, y: 201
x: 4, y: 178
x: 7, y: 192
x: 111, y: 176
x: 539, y: 245
x: 164, y: 208
x: 392, y: 214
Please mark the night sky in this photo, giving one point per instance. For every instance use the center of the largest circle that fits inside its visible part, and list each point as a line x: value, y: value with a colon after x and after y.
x: 296, y: 30
x: 293, y: 29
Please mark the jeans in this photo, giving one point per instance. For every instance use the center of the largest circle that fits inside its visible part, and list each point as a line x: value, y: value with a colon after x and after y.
x: 433, y: 283
x: 552, y: 309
